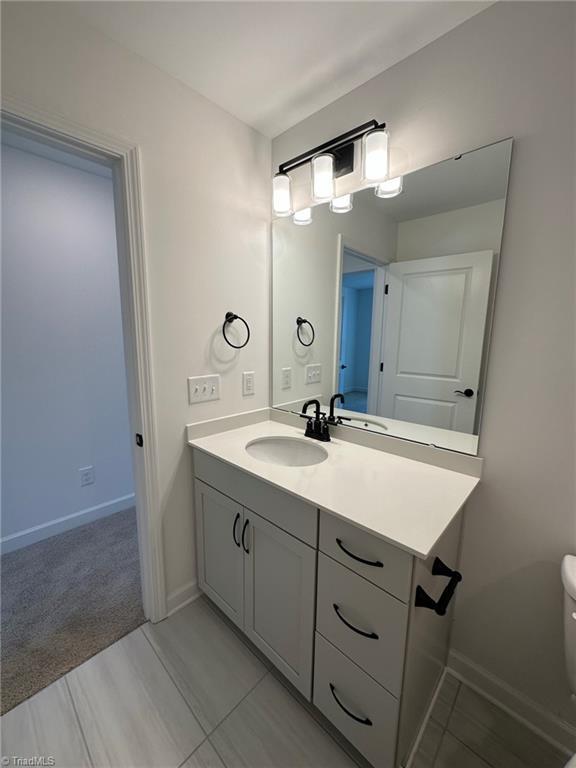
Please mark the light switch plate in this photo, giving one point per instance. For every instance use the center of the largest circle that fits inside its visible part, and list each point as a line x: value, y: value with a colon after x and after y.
x: 203, y: 388
x: 286, y: 378
x: 248, y: 383
x: 87, y: 476
x: 313, y: 374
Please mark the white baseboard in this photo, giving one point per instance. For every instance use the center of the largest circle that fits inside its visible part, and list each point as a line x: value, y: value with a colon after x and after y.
x: 60, y: 524
x: 551, y: 728
x: 182, y: 596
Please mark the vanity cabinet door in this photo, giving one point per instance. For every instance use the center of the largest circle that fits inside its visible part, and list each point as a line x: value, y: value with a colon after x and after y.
x: 279, y: 584
x: 220, y: 558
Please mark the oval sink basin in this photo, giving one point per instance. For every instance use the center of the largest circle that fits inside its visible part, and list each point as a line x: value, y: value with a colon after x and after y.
x: 287, y: 451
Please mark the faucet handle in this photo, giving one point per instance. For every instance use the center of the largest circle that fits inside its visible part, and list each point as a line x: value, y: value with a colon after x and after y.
x: 324, y: 429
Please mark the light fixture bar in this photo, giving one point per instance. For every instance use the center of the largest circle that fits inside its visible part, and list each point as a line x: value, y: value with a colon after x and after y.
x: 328, y: 146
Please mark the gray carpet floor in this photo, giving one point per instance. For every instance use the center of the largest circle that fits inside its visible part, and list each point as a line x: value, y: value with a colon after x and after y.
x: 66, y: 598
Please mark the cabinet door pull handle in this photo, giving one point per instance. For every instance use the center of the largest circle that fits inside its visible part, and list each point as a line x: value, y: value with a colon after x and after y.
x: 371, y: 635
x: 361, y: 720
x: 244, y: 547
x: 374, y: 563
x: 234, y: 529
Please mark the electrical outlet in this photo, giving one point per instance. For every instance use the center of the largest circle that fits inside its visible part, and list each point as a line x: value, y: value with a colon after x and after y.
x: 203, y: 388
x: 286, y: 380
x: 87, y: 476
x: 313, y: 374
x: 248, y: 383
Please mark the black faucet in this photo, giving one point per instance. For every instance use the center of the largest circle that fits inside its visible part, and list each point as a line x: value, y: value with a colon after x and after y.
x: 338, y: 396
x: 317, y: 426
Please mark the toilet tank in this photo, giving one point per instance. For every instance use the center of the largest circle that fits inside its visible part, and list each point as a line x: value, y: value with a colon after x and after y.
x: 569, y: 582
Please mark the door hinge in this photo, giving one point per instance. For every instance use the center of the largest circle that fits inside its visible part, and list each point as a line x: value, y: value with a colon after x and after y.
x: 386, y: 289
x: 139, y: 440
x: 381, y: 367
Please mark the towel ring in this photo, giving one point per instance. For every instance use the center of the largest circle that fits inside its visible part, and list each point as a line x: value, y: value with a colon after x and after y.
x: 300, y: 321
x: 229, y: 318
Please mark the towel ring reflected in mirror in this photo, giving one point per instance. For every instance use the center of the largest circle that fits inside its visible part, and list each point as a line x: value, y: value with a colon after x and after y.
x: 229, y: 318
x: 300, y: 321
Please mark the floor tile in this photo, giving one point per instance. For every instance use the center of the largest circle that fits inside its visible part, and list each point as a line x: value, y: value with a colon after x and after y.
x: 204, y: 757
x: 45, y: 726
x: 454, y: 754
x: 270, y: 728
x: 211, y: 666
x: 445, y: 700
x: 429, y: 745
x: 499, y: 738
x: 131, y: 712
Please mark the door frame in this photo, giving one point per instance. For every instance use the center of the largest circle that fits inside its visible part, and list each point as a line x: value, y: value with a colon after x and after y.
x: 377, y: 330
x: 124, y: 159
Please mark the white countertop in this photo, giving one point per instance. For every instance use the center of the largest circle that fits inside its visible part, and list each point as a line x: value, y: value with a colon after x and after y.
x: 406, y: 502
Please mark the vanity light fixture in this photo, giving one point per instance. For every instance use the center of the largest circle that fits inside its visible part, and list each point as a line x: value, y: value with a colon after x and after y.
x: 389, y: 188
x: 281, y: 195
x: 323, y: 177
x: 330, y: 161
x: 341, y: 204
x: 303, y: 217
x: 375, y: 155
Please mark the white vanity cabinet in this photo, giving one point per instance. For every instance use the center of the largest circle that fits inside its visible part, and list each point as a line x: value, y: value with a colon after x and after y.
x: 261, y: 575
x: 331, y: 605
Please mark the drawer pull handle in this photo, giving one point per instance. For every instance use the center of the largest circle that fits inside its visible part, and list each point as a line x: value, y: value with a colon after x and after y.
x: 440, y: 606
x: 371, y: 635
x: 374, y: 563
x: 234, y: 529
x: 244, y: 547
x: 361, y: 720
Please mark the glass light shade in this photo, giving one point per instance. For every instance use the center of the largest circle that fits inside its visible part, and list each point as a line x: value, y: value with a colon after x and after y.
x: 303, y: 217
x: 323, y: 178
x: 389, y: 188
x: 341, y: 204
x: 375, y: 155
x: 281, y: 195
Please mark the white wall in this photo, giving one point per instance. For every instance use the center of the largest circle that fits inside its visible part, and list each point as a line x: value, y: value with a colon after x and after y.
x: 206, y: 180
x: 63, y: 377
x: 476, y: 228
x: 306, y: 282
x: 506, y: 72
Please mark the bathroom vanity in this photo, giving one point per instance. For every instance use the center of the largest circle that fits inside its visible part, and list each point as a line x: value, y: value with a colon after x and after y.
x: 322, y: 567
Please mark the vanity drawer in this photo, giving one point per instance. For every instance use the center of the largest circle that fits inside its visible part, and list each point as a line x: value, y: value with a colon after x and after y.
x: 381, y: 563
x: 348, y: 606
x: 364, y: 712
x: 292, y: 515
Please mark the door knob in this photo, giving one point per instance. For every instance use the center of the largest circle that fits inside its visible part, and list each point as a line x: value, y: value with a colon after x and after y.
x: 466, y: 393
x: 342, y: 367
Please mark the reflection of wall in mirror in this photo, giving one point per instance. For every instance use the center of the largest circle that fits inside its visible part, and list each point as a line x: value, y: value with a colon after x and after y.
x: 305, y: 264
x: 477, y: 228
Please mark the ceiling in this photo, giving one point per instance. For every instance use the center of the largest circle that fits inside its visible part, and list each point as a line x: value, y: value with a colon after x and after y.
x: 272, y: 64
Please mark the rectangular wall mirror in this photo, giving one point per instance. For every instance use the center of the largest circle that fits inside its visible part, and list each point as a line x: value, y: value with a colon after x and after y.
x: 391, y: 303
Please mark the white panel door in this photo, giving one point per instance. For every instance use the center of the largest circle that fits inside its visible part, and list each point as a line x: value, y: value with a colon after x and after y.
x: 433, y: 339
x: 219, y: 523
x: 280, y: 586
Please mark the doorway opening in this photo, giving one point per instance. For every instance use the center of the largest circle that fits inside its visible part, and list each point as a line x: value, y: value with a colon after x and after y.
x: 360, y: 330
x: 73, y: 514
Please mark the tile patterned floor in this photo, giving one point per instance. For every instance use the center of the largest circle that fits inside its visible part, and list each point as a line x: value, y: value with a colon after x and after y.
x: 189, y: 693
x: 466, y: 730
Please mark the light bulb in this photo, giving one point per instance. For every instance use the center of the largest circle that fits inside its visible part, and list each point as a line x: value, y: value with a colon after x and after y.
x: 281, y: 195
x: 303, y: 217
x: 341, y: 204
x: 389, y: 188
x: 375, y: 155
x: 323, y: 178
